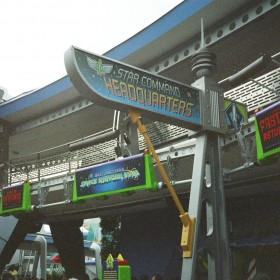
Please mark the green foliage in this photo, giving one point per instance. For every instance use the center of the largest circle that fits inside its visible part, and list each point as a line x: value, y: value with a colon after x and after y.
x: 111, y: 230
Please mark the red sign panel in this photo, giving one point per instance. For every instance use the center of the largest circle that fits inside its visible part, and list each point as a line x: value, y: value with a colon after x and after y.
x: 12, y: 197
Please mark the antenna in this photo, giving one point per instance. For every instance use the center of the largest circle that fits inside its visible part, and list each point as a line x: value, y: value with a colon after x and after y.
x: 203, y: 61
x: 202, y: 41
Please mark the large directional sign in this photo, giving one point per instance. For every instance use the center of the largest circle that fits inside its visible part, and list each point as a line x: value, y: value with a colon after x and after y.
x: 119, y: 86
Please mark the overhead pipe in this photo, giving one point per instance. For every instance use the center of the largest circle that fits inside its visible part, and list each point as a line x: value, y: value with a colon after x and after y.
x: 248, y: 71
x: 64, y: 202
x: 97, y: 252
x: 94, y: 140
x: 274, y: 60
x: 240, y: 168
x: 35, y: 264
x: 41, y: 244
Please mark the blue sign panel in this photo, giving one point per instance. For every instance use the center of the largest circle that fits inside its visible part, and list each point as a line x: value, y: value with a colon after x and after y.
x: 119, y: 86
x: 123, y: 175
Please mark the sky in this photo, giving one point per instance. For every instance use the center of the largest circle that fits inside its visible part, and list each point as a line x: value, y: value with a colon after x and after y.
x: 36, y: 33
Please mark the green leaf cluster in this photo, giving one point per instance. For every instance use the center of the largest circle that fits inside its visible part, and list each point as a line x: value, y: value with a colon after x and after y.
x: 111, y: 234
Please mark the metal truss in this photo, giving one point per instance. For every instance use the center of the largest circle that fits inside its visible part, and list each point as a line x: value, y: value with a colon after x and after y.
x: 55, y: 115
x: 227, y: 27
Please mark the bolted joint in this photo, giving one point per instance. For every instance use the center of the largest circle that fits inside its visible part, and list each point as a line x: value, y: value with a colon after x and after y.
x: 187, y: 238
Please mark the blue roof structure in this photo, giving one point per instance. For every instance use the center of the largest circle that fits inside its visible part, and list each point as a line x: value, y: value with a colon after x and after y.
x: 28, y: 99
x: 157, y: 29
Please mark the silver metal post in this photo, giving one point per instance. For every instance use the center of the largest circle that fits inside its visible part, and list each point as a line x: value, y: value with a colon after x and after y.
x: 189, y: 264
x: 207, y: 202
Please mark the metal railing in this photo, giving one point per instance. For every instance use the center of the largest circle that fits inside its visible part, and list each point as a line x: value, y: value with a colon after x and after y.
x: 59, y: 160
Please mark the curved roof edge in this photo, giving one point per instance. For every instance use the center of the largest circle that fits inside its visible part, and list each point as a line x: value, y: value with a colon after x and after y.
x: 144, y: 37
x: 34, y: 97
x: 157, y: 29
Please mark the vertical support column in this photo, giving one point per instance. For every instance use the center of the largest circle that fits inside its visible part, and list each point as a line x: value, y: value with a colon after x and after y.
x: 41, y: 251
x: 207, y: 202
x: 195, y: 205
x: 35, y: 264
x: 68, y: 239
x: 16, y: 230
x: 4, y: 152
x: 215, y: 239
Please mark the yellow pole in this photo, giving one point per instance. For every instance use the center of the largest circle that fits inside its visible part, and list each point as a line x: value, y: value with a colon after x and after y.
x: 188, y: 228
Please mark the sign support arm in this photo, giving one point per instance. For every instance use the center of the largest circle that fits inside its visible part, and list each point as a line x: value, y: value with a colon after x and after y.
x: 188, y: 223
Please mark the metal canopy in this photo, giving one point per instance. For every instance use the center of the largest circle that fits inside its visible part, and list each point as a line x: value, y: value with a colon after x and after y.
x: 236, y: 31
x: 57, y: 114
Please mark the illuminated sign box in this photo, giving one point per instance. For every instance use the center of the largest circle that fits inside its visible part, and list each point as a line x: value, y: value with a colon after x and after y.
x: 16, y: 198
x: 120, y: 176
x: 115, y: 269
x: 267, y: 124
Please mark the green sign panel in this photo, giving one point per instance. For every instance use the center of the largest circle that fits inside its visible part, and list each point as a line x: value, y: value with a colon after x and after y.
x: 113, y: 84
x: 15, y: 198
x: 120, y: 176
x: 236, y: 114
x: 115, y: 269
x: 267, y: 124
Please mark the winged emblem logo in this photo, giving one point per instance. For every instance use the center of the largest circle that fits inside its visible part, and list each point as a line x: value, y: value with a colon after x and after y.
x: 99, y: 67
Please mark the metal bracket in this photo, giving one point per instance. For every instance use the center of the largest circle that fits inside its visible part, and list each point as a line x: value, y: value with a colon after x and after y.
x: 171, y: 165
x: 68, y: 187
x: 42, y: 194
x: 245, y: 146
x: 129, y: 137
x: 45, y: 186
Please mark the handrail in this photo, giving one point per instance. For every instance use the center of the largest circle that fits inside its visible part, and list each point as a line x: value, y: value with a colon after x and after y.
x: 59, y: 159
